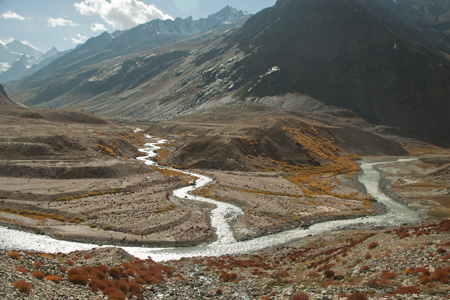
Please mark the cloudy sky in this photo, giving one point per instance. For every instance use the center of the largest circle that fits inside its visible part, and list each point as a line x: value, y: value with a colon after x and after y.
x: 65, y: 23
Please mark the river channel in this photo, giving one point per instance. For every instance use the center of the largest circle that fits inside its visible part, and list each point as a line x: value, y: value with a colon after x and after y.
x: 221, y: 216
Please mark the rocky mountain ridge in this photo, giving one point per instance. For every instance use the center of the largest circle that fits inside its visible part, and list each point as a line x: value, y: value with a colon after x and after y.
x: 20, y: 60
x: 299, y: 54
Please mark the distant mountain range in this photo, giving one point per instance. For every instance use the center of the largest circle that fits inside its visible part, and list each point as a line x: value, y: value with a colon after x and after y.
x: 17, y: 60
x: 384, y: 61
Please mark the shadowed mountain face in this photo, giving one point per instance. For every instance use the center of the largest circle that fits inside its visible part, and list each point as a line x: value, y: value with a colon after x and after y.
x: 352, y: 54
x: 431, y: 18
x: 4, y: 100
x: 339, y: 53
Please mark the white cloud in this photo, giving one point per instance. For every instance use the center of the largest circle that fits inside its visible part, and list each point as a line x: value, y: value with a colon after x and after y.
x: 98, y: 27
x: 57, y: 22
x: 12, y: 15
x: 121, y: 14
x: 80, y: 39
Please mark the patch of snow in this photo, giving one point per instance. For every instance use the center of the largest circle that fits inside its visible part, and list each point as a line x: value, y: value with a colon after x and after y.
x: 272, y: 70
x: 4, y: 66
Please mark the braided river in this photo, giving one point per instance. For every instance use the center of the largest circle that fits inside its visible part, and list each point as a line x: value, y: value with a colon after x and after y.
x: 221, y: 216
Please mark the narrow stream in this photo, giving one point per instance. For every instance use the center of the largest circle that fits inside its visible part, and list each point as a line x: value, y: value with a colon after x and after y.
x: 225, y: 244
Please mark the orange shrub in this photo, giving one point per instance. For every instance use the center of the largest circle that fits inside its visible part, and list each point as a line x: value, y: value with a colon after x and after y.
x: 424, y: 279
x: 422, y: 270
x: 38, y: 274
x: 129, y: 272
x: 135, y: 287
x: 444, y: 225
x: 54, y: 278
x: 115, y: 272
x: 97, y: 274
x: 14, y: 255
x: 228, y: 277
x: 73, y: 272
x: 403, y: 290
x: 80, y: 279
x: 357, y: 296
x: 385, y: 275
x: 22, y: 286
x: 372, y: 245
x: 103, y: 268
x: 101, y: 285
x: 442, y: 275
x: 123, y: 285
x: 114, y: 293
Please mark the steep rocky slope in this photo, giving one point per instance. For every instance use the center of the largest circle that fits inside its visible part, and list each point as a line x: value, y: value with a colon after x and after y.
x: 343, y: 55
x: 430, y: 18
x: 299, y: 54
x: 4, y: 99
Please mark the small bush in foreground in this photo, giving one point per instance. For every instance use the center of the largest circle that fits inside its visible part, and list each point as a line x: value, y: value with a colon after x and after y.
x: 79, y: 279
x: 404, y: 290
x: 54, y: 278
x: 228, y: 277
x: 38, y: 274
x: 23, y: 286
x: 115, y: 272
x: 14, y: 255
x: 114, y: 293
x: 372, y: 245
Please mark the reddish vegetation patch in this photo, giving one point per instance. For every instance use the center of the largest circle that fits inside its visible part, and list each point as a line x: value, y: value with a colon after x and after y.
x: 372, y: 245
x: 228, y: 277
x: 357, y: 296
x: 23, y: 286
x: 114, y: 293
x: 54, y: 278
x: 38, y: 274
x: 443, y: 226
x: 79, y: 279
x: 422, y: 270
x: 14, y: 255
x: 121, y: 282
x: 403, y: 290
